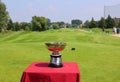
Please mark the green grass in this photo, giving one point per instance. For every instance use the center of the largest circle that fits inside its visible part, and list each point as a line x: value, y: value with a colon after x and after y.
x: 97, y: 53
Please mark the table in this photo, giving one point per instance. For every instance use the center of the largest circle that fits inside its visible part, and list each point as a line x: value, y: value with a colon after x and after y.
x: 40, y: 72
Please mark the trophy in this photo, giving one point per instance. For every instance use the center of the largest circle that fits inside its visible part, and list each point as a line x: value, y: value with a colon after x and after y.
x: 55, y: 47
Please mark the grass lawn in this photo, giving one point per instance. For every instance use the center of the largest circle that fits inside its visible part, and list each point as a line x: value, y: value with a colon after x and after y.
x: 97, y: 53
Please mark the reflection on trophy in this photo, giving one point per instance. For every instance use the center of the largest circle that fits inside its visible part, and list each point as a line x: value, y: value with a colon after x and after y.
x: 55, y: 47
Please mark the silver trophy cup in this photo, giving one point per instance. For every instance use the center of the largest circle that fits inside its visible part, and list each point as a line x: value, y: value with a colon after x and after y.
x: 55, y: 57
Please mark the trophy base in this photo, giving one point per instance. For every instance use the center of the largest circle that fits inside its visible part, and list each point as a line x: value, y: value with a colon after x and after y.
x: 56, y: 66
x: 55, y: 61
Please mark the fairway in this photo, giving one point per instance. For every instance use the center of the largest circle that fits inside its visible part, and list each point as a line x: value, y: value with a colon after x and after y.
x: 97, y: 53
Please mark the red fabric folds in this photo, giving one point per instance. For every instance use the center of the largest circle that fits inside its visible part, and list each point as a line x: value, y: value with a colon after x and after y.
x: 40, y: 72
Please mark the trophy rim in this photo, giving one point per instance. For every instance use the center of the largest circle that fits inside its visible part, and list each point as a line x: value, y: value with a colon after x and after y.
x: 56, y: 45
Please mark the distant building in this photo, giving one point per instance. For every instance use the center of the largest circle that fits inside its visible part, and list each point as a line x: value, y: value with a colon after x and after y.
x: 82, y: 25
x: 117, y: 21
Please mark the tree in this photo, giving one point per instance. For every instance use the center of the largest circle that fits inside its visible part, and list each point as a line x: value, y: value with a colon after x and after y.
x: 26, y: 26
x: 17, y: 26
x: 61, y: 24
x: 39, y: 23
x: 102, y: 23
x: 110, y: 22
x: 48, y: 22
x: 55, y: 26
x: 87, y: 23
x: 68, y: 25
x: 10, y: 25
x: 93, y: 23
x: 4, y: 17
x: 76, y: 22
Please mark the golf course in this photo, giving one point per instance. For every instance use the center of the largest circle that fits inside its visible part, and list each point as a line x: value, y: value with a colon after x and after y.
x: 96, y: 53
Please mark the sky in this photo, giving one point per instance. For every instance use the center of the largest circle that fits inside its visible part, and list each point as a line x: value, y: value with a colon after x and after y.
x: 57, y: 10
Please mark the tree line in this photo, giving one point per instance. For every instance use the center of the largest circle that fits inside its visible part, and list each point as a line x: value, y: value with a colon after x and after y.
x: 39, y: 23
x: 107, y: 23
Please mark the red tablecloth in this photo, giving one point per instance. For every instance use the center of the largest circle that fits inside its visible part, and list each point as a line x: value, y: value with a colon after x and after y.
x: 40, y: 72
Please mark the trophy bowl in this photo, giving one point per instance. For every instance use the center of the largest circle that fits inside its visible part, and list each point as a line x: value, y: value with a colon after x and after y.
x: 55, y: 47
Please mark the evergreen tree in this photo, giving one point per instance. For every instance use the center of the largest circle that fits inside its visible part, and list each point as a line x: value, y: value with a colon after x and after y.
x: 17, y: 26
x: 4, y: 17
x: 110, y: 22
x: 102, y: 23
x: 93, y: 23
x: 48, y: 22
x: 87, y: 23
x: 10, y: 25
